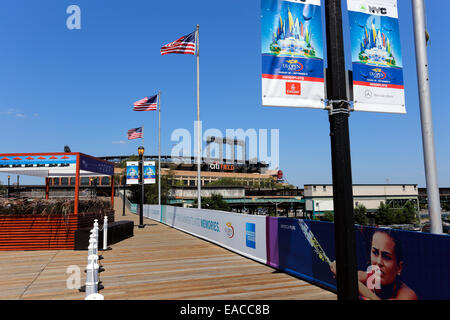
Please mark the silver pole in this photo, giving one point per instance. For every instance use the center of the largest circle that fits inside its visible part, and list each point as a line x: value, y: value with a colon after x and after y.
x: 434, y: 206
x: 143, y: 136
x: 159, y: 149
x: 199, y: 138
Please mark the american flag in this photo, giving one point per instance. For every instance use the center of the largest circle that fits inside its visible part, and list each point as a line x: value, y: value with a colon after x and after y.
x: 184, y: 45
x: 146, y: 104
x: 135, y: 133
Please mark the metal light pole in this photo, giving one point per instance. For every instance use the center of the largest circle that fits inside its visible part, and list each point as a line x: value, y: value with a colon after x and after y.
x: 345, y: 244
x: 9, y: 177
x: 199, y: 136
x: 434, y: 203
x: 18, y: 186
x: 124, y: 195
x: 141, y: 179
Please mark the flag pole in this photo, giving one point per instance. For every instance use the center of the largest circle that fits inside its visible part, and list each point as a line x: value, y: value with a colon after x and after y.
x: 143, y: 136
x: 199, y: 138
x: 159, y: 150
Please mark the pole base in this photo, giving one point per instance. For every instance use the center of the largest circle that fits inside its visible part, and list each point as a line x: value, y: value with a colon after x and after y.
x: 141, y: 226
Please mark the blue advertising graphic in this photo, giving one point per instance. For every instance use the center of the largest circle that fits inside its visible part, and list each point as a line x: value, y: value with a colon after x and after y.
x: 292, y: 53
x: 391, y: 264
x: 376, y: 57
x: 37, y: 160
x: 250, y: 235
x: 97, y: 166
x: 132, y: 172
x: 149, y: 172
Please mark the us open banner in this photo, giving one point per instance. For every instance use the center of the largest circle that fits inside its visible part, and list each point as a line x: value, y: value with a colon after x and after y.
x: 292, y: 54
x: 376, y: 56
x: 132, y: 172
x: 149, y: 172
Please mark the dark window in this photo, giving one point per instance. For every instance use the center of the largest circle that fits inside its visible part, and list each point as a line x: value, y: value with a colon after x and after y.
x: 72, y: 181
x: 105, y: 181
x: 84, y: 181
x: 185, y: 182
x: 192, y: 183
x: 64, y: 181
x: 56, y: 181
x: 50, y: 182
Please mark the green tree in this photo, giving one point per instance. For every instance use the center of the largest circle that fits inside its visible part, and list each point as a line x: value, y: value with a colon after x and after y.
x: 360, y: 215
x: 385, y: 215
x: 214, y: 202
x: 408, y: 214
x: 328, y: 216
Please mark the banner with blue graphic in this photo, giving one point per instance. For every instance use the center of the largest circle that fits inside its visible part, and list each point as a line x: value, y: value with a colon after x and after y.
x: 376, y: 56
x: 132, y: 172
x: 149, y: 172
x: 292, y: 54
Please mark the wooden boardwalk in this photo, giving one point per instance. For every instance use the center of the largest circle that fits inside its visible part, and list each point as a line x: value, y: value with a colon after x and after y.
x: 158, y: 263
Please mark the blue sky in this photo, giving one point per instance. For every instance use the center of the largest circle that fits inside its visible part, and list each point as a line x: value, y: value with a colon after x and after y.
x: 76, y: 87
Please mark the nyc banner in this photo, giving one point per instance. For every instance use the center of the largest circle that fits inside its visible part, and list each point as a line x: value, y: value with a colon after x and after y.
x: 292, y: 54
x: 376, y: 56
x: 149, y: 172
x: 132, y: 172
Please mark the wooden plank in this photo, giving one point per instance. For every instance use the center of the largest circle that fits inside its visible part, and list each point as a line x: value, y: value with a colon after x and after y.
x: 158, y: 263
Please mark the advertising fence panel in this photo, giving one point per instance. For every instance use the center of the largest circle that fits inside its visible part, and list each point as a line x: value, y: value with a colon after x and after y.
x: 392, y: 264
x: 244, y: 234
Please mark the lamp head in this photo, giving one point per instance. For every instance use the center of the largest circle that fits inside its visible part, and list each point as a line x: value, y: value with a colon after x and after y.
x: 141, y: 150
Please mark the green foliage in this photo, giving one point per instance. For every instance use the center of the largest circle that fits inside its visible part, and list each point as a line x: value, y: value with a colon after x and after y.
x: 151, y: 191
x: 360, y: 215
x: 387, y: 215
x: 224, y: 182
x: 328, y: 216
x: 215, y: 202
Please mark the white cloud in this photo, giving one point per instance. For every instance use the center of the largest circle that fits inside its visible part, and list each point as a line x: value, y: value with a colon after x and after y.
x: 20, y: 115
x: 119, y: 142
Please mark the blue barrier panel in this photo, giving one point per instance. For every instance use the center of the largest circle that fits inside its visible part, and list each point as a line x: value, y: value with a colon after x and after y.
x: 392, y: 263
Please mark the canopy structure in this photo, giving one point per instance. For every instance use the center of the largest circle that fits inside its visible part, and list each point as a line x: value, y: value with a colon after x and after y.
x: 64, y: 164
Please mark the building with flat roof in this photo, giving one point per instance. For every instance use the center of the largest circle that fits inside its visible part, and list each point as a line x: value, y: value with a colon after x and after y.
x: 319, y: 197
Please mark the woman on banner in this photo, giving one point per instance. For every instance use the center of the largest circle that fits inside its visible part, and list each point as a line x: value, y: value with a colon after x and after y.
x: 382, y: 279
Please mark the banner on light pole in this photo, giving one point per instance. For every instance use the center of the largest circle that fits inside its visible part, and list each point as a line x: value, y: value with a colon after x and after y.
x: 292, y: 54
x: 376, y: 56
x: 132, y: 172
x: 149, y: 172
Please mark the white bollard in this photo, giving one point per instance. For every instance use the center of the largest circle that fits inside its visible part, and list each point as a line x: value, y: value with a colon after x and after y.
x: 91, y: 285
x: 94, y: 259
x: 92, y: 249
x: 105, y: 233
x: 94, y: 296
x: 96, y: 229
